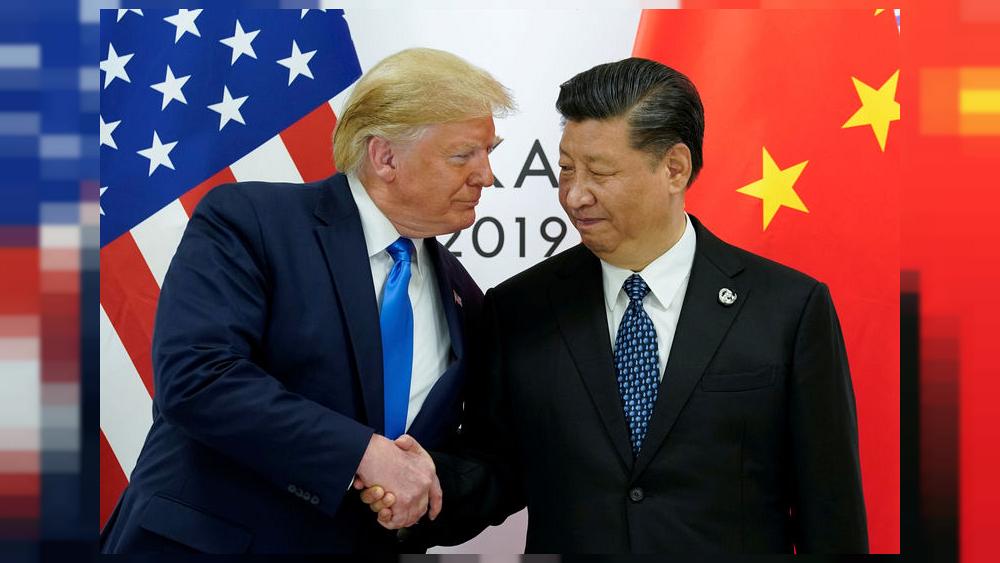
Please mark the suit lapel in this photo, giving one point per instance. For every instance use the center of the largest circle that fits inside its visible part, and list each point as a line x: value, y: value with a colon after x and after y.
x: 446, y: 388
x: 578, y: 303
x: 450, y: 297
x: 702, y: 325
x: 343, y: 242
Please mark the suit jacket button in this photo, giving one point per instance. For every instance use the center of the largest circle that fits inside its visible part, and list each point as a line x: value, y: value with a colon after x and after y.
x: 636, y: 494
x: 314, y: 500
x: 291, y: 488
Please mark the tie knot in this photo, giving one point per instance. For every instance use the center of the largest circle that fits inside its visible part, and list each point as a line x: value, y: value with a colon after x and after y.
x: 401, y: 250
x: 635, y: 287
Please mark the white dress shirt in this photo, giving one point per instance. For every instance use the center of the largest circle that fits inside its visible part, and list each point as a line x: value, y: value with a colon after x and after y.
x: 667, y: 278
x: 431, y: 340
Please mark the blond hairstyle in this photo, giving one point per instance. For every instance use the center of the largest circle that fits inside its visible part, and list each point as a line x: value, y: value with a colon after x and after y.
x: 407, y: 91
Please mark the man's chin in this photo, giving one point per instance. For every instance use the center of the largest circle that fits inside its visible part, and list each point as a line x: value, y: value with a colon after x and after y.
x: 596, y: 245
x: 466, y: 219
x: 457, y: 223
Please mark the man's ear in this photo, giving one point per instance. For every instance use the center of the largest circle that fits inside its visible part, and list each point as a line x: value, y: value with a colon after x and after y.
x: 382, y: 158
x: 678, y: 163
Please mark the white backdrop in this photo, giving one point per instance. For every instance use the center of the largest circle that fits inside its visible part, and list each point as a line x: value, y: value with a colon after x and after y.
x: 531, y: 52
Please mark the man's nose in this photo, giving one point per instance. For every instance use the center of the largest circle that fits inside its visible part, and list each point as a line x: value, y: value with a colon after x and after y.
x: 483, y: 175
x: 577, y: 193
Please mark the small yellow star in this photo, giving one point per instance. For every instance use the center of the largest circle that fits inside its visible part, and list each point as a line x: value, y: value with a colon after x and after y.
x: 776, y: 188
x: 878, y: 107
x: 879, y: 11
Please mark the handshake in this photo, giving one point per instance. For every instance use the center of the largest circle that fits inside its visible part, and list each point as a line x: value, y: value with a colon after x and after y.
x: 399, y: 480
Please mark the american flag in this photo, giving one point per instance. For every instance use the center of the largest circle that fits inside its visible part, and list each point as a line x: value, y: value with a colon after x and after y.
x: 192, y: 99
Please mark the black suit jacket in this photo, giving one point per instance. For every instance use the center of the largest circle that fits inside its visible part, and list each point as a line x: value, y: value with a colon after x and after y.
x: 268, y: 370
x: 752, y: 446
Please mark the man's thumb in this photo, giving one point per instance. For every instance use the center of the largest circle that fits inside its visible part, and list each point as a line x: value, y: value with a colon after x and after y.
x: 405, y: 442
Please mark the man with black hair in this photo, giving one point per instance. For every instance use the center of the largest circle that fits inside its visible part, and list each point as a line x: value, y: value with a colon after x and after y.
x: 654, y: 389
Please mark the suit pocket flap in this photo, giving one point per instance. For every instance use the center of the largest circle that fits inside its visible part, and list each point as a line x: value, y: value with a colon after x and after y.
x: 743, y: 381
x: 187, y: 525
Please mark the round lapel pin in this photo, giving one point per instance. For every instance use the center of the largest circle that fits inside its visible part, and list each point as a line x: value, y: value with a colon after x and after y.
x: 727, y: 296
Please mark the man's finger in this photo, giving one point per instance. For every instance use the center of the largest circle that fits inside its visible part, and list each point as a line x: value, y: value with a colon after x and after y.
x: 388, y: 500
x: 358, y: 484
x: 384, y: 516
x: 436, y: 498
x: 384, y: 503
x: 372, y: 494
x: 399, y: 519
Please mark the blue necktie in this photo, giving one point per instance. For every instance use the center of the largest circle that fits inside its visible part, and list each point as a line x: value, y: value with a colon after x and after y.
x: 637, y: 362
x: 396, y: 321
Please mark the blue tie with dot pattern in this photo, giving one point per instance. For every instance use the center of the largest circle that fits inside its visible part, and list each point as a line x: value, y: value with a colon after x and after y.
x: 637, y: 362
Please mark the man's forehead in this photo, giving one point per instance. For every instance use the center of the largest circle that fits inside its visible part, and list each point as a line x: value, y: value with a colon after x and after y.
x: 594, y: 140
x: 471, y: 141
x: 593, y: 153
x: 469, y: 131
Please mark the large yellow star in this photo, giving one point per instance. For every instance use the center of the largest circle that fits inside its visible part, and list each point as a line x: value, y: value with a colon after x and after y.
x: 776, y: 188
x: 878, y: 108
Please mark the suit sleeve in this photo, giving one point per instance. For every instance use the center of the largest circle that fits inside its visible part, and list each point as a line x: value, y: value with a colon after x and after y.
x: 481, y: 477
x: 828, y: 509
x: 209, y: 326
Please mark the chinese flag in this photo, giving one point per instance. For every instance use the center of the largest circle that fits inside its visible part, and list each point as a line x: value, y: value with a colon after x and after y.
x: 802, y: 166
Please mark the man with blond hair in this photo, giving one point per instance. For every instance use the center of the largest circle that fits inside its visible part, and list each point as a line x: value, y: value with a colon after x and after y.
x: 303, y: 328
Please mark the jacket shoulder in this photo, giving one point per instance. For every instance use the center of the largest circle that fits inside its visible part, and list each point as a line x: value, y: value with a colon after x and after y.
x: 574, y: 260
x: 266, y: 196
x: 736, y: 261
x: 774, y: 272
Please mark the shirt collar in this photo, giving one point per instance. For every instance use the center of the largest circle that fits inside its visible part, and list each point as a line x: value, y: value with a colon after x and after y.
x: 664, y: 275
x: 378, y: 230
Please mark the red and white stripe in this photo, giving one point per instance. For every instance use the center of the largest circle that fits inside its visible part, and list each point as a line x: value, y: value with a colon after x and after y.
x: 132, y: 271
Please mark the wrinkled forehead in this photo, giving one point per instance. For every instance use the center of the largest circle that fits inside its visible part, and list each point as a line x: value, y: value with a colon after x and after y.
x: 472, y: 133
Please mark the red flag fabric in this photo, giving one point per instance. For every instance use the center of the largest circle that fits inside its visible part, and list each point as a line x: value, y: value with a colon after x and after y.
x: 802, y: 166
x: 952, y: 58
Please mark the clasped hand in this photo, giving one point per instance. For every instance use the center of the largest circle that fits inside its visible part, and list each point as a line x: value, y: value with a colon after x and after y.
x: 399, y: 480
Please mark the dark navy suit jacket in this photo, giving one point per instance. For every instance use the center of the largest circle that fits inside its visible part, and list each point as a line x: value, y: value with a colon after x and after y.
x: 268, y: 378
